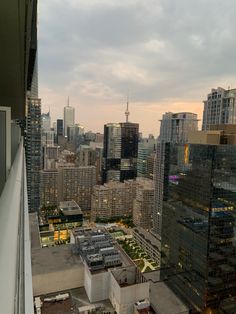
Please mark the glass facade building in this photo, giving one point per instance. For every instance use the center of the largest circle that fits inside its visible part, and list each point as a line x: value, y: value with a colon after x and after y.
x: 198, y: 259
x: 120, y: 152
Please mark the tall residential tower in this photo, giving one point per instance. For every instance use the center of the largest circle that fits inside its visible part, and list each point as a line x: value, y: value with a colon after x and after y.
x: 219, y: 107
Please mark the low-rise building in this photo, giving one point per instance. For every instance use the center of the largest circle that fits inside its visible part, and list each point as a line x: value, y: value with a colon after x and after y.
x: 150, y: 244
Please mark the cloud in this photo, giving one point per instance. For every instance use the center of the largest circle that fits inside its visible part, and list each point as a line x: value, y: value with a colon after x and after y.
x: 166, y: 53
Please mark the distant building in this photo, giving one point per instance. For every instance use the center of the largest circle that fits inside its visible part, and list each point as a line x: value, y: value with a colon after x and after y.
x: 113, y: 199
x: 45, y: 122
x: 176, y: 126
x: 76, y: 183
x: 50, y: 156
x: 59, y: 128
x: 144, y: 203
x: 47, y: 138
x: 49, y: 183
x: 150, y: 165
x: 219, y: 107
x: 69, y: 117
x: 86, y: 156
x: 33, y: 151
x: 145, y: 148
x: 120, y: 151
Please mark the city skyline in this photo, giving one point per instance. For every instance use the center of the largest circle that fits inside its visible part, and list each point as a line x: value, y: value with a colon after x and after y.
x: 155, y: 50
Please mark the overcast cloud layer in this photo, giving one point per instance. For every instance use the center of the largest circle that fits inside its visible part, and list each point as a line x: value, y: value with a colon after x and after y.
x: 167, y: 53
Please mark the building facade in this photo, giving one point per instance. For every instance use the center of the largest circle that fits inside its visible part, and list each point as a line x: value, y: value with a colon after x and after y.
x: 69, y: 118
x: 45, y: 122
x: 198, y: 223
x: 145, y: 148
x: 144, y: 204
x: 59, y: 127
x: 113, y: 199
x: 176, y: 126
x: 219, y: 107
x: 33, y: 152
x: 120, y: 151
x: 49, y: 183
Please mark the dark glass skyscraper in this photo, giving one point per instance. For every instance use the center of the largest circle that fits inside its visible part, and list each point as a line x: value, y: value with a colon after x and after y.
x: 198, y: 258
x: 120, y: 151
x: 59, y: 128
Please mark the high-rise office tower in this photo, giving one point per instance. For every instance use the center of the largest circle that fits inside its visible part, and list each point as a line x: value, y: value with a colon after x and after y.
x: 199, y: 219
x: 59, y: 127
x: 219, y: 107
x: 175, y: 128
x: 69, y: 117
x: 120, y: 150
x: 33, y: 151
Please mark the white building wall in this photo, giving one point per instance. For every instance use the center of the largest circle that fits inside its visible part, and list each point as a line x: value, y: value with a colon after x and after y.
x: 123, y: 298
x: 96, y: 285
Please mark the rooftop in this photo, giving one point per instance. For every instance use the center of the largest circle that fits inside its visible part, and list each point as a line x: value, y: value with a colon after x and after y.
x: 70, y: 208
x: 163, y: 300
x: 52, y: 259
x: 128, y: 276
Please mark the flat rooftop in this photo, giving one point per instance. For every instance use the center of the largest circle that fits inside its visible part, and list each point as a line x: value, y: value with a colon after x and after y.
x: 163, y: 300
x: 69, y: 205
x: 52, y: 259
x: 128, y: 276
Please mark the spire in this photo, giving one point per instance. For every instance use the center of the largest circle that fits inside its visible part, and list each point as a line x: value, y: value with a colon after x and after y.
x: 127, y: 113
x: 68, y: 102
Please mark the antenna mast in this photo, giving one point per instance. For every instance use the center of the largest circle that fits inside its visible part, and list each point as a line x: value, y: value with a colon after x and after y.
x: 68, y: 102
x: 127, y: 113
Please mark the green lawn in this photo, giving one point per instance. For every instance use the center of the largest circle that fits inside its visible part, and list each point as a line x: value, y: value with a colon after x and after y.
x: 136, y: 253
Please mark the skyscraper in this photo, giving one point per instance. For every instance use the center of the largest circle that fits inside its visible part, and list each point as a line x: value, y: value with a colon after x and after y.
x: 219, y: 107
x: 145, y: 148
x: 33, y: 151
x: 175, y: 128
x: 69, y: 117
x: 199, y: 220
x: 120, y: 150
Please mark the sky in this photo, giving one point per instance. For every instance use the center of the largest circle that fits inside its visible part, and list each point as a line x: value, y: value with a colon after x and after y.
x: 165, y: 54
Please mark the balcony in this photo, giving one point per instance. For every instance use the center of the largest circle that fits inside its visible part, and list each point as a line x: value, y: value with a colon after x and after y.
x: 16, y: 295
